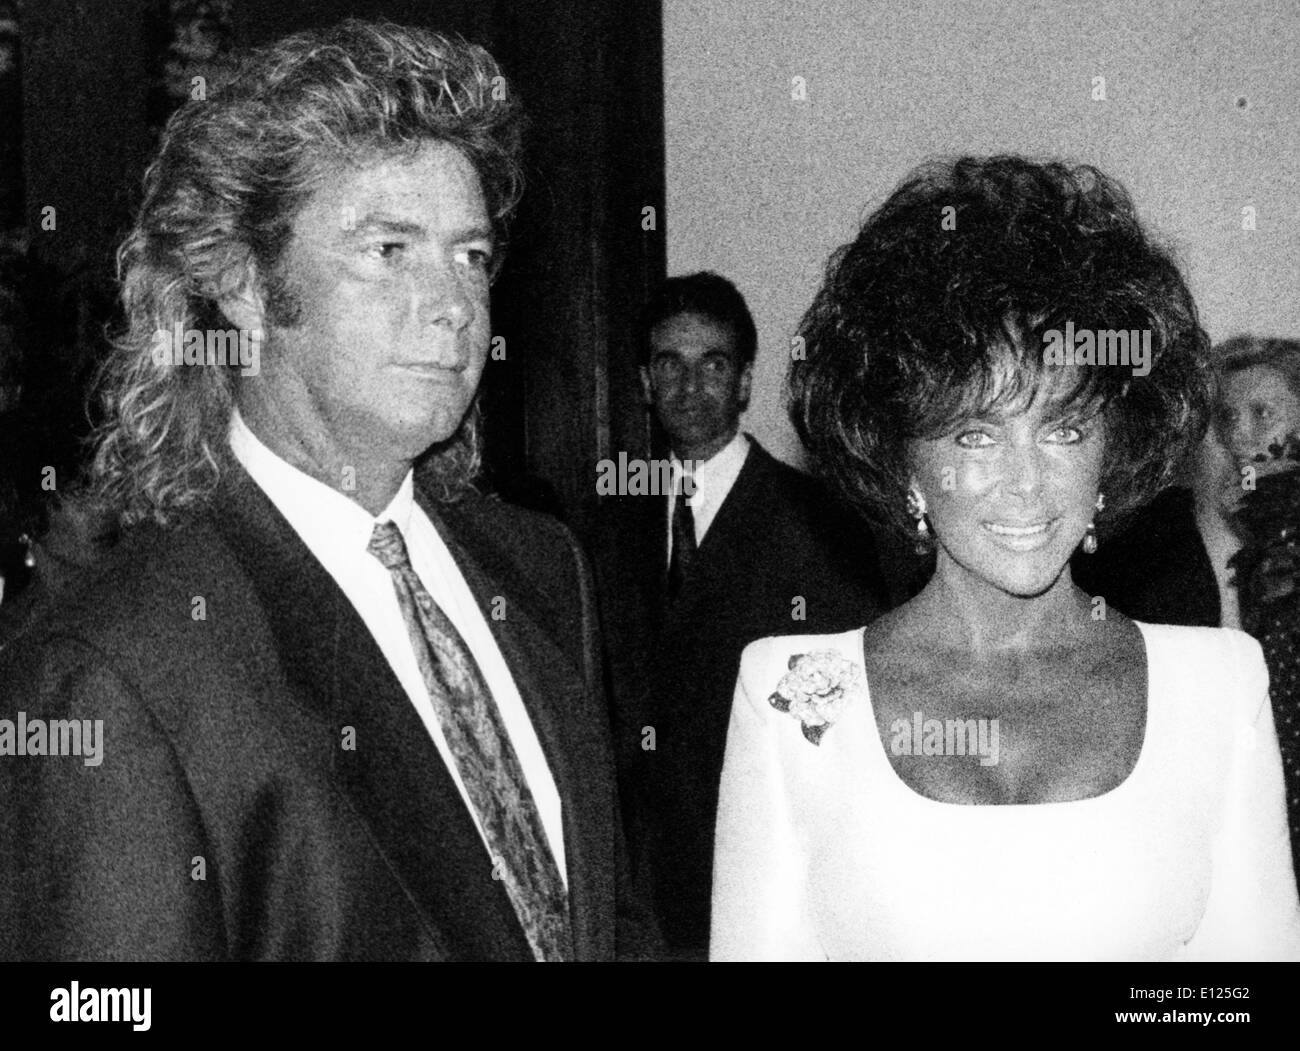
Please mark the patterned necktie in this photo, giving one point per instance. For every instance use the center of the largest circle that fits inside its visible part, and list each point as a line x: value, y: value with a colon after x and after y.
x: 683, y: 528
x: 484, y: 757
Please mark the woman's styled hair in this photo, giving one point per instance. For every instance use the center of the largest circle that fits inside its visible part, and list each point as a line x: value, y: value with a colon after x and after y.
x: 220, y: 199
x: 941, y: 309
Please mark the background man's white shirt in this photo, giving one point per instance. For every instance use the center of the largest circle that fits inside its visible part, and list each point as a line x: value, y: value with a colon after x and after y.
x: 337, y: 531
x: 713, y: 481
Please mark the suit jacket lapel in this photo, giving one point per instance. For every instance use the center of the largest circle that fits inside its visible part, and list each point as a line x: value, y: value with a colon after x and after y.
x: 725, y: 536
x: 733, y: 510
x: 653, y: 559
x: 395, y: 776
x: 550, y: 686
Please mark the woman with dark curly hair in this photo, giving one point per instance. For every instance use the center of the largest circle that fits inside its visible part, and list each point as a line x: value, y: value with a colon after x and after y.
x: 1001, y: 364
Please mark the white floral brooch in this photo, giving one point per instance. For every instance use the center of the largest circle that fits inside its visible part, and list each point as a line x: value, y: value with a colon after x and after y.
x: 816, y: 690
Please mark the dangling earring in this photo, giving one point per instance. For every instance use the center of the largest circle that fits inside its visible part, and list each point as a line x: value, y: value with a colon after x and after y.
x: 1090, y: 534
x: 29, y: 556
x: 916, y: 508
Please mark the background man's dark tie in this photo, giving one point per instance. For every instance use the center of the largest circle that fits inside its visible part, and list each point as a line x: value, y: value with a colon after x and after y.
x: 683, y: 529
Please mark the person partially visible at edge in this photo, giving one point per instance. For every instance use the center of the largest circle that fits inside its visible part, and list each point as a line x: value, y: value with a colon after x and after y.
x: 50, y: 540
x: 1002, y: 768
x: 1170, y: 562
x: 340, y: 705
x: 1259, y: 418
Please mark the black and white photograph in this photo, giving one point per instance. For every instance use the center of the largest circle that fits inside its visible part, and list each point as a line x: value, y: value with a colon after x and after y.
x: 652, y: 484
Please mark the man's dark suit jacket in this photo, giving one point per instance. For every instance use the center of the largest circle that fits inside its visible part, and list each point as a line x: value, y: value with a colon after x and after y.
x: 223, y: 740
x: 673, y: 665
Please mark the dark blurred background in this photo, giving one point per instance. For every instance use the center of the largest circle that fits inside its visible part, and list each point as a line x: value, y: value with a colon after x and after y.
x: 85, y: 88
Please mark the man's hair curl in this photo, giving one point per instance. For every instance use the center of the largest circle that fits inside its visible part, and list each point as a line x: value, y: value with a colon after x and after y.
x: 232, y: 173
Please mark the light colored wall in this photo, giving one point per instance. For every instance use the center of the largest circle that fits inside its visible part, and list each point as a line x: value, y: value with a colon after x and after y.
x: 762, y: 187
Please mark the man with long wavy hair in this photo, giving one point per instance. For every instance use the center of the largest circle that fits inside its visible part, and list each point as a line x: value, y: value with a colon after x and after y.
x: 329, y: 701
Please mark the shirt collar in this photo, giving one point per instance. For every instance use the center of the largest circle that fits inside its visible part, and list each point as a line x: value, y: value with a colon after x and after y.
x: 720, y: 469
x: 325, y: 519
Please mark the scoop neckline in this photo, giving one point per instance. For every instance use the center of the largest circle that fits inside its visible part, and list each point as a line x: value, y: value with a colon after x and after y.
x: 892, y: 775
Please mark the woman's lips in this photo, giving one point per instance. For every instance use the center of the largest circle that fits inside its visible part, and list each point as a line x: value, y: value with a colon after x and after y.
x: 1006, y: 529
x: 1020, y: 536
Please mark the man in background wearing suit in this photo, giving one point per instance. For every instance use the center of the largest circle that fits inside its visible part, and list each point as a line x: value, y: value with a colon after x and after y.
x: 741, y: 548
x: 329, y: 702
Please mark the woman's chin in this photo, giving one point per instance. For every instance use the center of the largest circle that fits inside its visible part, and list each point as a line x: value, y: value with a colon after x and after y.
x: 1024, y: 576
x: 1025, y: 585
x: 1019, y: 560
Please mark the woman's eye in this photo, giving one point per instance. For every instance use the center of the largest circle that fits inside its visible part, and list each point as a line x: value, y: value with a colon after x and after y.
x: 1068, y: 435
x: 974, y: 440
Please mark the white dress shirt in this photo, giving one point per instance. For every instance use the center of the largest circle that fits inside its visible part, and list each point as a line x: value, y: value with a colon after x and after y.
x: 713, y: 481
x: 337, y: 531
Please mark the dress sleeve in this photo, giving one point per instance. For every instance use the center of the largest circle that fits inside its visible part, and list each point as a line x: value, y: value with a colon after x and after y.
x: 760, y: 886
x: 1252, y: 912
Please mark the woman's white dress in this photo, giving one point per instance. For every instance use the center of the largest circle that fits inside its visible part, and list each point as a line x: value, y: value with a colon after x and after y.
x: 823, y: 852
